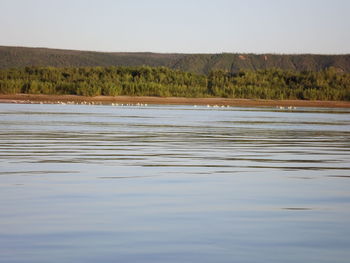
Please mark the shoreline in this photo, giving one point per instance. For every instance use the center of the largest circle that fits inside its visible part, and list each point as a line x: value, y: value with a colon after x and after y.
x: 40, y: 98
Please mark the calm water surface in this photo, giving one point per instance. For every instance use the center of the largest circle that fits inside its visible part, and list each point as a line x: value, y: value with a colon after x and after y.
x: 173, y: 184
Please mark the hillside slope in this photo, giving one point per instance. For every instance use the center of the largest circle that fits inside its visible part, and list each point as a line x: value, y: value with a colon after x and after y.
x: 14, y: 57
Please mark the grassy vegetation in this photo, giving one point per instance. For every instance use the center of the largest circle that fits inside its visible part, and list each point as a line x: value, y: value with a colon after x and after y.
x: 329, y: 84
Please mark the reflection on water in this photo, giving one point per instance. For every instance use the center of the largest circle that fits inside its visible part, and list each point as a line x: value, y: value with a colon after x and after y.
x: 173, y: 184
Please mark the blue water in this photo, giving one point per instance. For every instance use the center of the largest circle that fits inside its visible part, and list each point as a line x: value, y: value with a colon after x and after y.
x: 107, y: 184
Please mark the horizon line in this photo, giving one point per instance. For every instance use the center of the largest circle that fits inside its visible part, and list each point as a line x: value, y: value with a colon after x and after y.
x: 174, y: 53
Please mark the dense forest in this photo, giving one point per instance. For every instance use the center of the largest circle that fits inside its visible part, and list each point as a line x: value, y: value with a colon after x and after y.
x: 328, y: 84
x: 19, y: 57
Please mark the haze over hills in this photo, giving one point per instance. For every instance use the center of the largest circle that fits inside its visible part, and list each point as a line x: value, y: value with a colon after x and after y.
x: 15, y: 57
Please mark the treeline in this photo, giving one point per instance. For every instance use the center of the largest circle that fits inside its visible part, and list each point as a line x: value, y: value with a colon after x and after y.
x: 328, y: 84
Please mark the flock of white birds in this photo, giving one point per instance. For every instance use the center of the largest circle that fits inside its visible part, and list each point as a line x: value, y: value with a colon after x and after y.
x: 131, y: 104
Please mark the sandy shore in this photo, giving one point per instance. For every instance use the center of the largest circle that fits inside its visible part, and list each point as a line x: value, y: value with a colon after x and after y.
x: 31, y: 98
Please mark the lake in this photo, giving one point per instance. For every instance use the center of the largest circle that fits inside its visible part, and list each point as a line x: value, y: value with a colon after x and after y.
x: 103, y: 183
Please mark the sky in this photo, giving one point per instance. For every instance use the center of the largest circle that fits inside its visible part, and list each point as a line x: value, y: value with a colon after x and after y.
x: 179, y: 26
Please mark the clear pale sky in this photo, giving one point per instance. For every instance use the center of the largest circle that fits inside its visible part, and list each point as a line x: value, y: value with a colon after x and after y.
x: 182, y: 26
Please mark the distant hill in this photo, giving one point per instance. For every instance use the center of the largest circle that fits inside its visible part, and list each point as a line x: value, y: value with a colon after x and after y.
x: 14, y: 57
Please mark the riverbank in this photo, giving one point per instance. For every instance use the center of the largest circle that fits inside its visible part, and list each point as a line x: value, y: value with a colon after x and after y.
x: 33, y: 98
